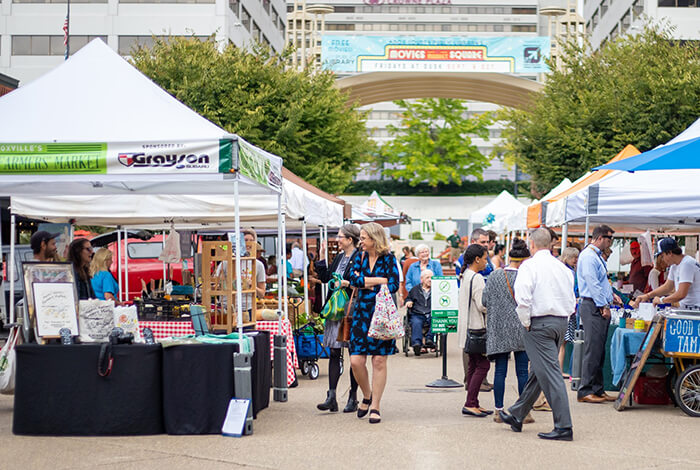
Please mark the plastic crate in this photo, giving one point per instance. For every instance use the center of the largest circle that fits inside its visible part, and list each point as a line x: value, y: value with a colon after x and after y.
x: 651, y: 391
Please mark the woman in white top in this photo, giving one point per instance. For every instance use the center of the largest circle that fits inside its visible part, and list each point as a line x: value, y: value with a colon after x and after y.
x: 472, y: 316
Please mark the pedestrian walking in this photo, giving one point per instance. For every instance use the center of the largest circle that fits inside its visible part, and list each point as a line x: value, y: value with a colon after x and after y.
x: 375, y: 267
x: 505, y: 332
x: 472, y: 317
x: 596, y: 298
x: 544, y: 293
x: 348, y: 238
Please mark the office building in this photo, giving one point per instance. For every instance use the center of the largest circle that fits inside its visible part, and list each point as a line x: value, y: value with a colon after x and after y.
x: 31, y: 31
x: 605, y: 19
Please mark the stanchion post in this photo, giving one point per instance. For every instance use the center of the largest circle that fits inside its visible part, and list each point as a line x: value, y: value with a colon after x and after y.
x: 444, y: 381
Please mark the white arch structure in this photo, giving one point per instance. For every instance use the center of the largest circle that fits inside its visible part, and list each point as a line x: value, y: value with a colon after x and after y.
x: 502, y: 89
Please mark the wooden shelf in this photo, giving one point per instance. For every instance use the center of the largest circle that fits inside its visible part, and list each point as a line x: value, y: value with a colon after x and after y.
x: 218, y: 281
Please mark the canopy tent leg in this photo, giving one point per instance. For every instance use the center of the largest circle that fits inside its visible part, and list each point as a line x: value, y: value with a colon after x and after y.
x: 119, y: 263
x: 12, y: 270
x: 564, y: 235
x: 239, y: 295
x: 585, y: 237
x: 164, y: 272
x: 306, y: 271
x: 279, y: 358
x: 285, y: 299
x: 505, y: 255
x: 281, y: 261
x: 126, y: 264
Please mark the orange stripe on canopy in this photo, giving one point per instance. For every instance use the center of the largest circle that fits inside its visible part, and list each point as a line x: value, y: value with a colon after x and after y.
x: 534, y: 211
x: 629, y: 151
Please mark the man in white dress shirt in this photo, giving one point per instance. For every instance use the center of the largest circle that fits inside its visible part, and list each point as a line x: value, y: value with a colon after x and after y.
x: 544, y: 291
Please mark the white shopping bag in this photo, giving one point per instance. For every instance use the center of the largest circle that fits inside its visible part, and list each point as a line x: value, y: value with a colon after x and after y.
x: 8, y: 363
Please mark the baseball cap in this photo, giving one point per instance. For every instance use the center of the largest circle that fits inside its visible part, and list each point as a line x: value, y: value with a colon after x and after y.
x: 41, y: 236
x: 664, y: 245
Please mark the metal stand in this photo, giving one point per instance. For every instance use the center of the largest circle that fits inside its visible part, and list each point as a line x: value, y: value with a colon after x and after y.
x: 577, y: 359
x: 243, y: 385
x: 444, y: 381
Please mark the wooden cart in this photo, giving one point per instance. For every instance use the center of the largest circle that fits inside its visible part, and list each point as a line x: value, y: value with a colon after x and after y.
x: 676, y: 334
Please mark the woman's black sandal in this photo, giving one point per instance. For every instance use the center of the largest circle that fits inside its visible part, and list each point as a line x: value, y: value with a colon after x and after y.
x: 365, y: 401
x: 374, y: 420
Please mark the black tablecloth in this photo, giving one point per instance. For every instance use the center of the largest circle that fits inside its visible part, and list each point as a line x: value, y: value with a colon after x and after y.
x: 262, y: 370
x: 198, y: 384
x: 58, y: 391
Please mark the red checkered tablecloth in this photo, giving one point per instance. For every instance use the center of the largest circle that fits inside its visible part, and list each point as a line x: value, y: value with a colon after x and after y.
x: 166, y: 329
x: 272, y: 327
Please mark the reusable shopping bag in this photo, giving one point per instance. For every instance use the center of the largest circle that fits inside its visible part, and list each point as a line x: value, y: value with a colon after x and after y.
x: 8, y: 363
x: 335, y: 306
x: 386, y: 321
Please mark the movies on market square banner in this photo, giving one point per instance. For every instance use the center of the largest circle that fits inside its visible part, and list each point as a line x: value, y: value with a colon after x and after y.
x: 352, y: 54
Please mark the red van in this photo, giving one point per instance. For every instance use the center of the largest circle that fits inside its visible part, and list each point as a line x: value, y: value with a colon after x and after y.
x: 142, y: 249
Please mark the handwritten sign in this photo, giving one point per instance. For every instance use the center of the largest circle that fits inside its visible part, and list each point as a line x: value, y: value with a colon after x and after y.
x: 682, y: 335
x: 54, y: 304
x: 96, y: 319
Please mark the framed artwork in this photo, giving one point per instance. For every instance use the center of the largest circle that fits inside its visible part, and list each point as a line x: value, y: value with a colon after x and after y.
x: 51, y: 298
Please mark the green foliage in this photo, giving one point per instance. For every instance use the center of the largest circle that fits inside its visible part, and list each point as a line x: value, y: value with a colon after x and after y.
x: 439, y: 236
x: 639, y: 90
x: 465, y: 188
x: 415, y: 236
x: 433, y: 143
x: 299, y: 116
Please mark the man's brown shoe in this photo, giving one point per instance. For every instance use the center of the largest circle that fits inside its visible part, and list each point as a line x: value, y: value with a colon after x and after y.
x: 592, y: 399
x: 607, y: 397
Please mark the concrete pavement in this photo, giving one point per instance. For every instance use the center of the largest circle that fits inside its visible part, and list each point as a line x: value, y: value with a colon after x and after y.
x: 421, y: 429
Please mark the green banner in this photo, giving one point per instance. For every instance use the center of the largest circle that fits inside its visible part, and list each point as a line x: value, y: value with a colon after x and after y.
x: 53, y: 158
x: 260, y: 166
x: 225, y: 155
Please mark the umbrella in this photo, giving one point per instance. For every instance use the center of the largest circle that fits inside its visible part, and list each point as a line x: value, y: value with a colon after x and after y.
x: 679, y: 156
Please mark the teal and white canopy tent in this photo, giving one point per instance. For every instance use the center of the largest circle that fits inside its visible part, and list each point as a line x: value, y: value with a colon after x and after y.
x: 95, y: 126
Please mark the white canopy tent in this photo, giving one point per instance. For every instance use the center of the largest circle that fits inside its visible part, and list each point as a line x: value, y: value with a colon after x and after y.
x: 663, y: 200
x: 95, y: 126
x: 496, y: 213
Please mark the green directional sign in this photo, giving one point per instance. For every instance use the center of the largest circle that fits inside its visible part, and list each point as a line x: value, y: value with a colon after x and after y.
x: 444, y: 306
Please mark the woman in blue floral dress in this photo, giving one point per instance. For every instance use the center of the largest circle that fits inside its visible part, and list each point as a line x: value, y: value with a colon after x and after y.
x: 375, y: 266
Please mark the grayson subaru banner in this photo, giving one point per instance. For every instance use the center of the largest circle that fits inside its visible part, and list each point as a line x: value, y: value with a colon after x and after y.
x: 353, y: 54
x: 114, y: 158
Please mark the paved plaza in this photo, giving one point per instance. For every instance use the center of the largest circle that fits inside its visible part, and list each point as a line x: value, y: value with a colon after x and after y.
x: 421, y: 429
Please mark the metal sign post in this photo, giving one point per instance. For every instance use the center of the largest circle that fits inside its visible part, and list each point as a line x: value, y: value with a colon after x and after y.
x: 444, y: 298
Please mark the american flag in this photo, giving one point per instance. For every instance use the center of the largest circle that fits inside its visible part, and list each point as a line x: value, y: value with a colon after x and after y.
x: 65, y: 32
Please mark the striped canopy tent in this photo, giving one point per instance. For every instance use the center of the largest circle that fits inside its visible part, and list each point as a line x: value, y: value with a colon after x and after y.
x: 552, y: 210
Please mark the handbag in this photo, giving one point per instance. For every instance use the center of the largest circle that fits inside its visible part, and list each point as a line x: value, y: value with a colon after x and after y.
x: 336, y: 305
x: 8, y: 363
x: 476, y: 339
x: 386, y: 323
x: 346, y: 323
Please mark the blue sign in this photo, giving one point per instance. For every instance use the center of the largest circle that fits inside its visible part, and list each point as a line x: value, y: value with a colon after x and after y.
x: 353, y: 54
x: 682, y: 336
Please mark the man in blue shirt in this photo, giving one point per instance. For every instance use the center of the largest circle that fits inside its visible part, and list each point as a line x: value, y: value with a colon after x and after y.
x: 596, y: 296
x: 479, y: 237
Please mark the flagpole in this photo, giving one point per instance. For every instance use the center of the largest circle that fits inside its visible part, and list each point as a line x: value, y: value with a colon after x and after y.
x: 66, y: 29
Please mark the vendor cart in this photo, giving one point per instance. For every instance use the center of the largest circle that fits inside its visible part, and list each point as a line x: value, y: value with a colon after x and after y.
x: 681, y: 342
x: 674, y: 334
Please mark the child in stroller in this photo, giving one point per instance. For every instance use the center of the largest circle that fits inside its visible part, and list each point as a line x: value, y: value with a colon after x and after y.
x: 418, y: 311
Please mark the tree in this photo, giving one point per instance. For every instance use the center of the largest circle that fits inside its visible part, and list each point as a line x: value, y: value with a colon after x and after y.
x: 298, y: 115
x: 433, y: 143
x: 639, y: 90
